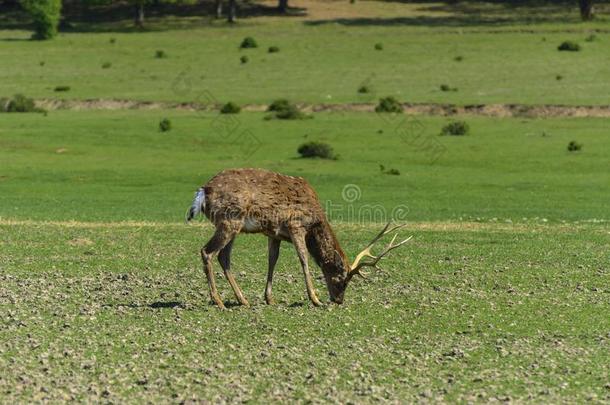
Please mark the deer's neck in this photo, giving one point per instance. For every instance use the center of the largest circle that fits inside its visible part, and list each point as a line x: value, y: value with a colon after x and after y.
x: 322, y: 244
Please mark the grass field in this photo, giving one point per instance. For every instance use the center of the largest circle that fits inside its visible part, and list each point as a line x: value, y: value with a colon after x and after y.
x: 117, y: 165
x: 502, y: 295
x: 467, y: 312
x: 509, y: 64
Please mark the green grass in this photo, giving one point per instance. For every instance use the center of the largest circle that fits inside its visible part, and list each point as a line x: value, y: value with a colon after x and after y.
x: 117, y: 165
x: 502, y: 295
x: 509, y: 67
x: 471, y: 312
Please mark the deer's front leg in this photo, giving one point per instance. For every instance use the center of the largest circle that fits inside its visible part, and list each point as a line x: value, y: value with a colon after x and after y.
x: 299, y: 243
x: 274, y: 254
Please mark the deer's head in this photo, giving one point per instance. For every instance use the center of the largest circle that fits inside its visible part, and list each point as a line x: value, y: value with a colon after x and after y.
x: 338, y: 272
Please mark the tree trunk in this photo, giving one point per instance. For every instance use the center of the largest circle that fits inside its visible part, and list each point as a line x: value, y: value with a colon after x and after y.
x: 232, y: 12
x: 139, y: 16
x: 586, y: 9
x: 282, y: 6
x: 218, y: 8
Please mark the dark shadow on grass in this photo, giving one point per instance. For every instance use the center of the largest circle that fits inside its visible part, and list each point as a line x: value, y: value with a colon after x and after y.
x: 170, y: 304
x: 119, y: 16
x: 472, y: 13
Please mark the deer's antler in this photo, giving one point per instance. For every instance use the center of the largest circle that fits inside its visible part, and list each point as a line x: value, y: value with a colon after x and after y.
x: 359, y: 264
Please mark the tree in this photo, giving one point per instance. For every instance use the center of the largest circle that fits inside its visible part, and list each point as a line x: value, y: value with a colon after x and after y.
x: 139, y: 13
x: 586, y: 9
x: 46, y: 15
x: 232, y: 16
x: 218, y: 8
x: 282, y: 6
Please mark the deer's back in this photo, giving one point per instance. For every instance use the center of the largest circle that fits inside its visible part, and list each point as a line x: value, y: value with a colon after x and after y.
x: 265, y: 201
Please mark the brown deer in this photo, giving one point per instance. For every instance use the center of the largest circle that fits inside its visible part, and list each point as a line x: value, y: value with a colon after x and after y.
x: 284, y: 208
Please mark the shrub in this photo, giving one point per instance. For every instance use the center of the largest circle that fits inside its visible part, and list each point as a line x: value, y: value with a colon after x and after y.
x: 160, y: 54
x: 62, y: 88
x: 248, y: 42
x: 456, y: 128
x: 316, y: 150
x: 46, y: 15
x: 165, y: 125
x: 273, y: 49
x: 591, y: 38
x: 279, y: 104
x: 106, y: 65
x: 570, y: 46
x: 19, y: 103
x: 364, y: 89
x: 379, y: 46
x: 574, y: 146
x: 244, y: 59
x: 285, y: 110
x: 388, y: 105
x: 392, y: 172
x: 230, y: 108
x: 291, y: 112
x: 446, y: 87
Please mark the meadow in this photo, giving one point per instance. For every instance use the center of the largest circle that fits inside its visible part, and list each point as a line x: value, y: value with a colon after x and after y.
x: 502, y: 295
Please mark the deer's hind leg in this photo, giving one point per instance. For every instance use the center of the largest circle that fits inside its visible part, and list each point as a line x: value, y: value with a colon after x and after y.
x: 224, y: 258
x: 225, y: 232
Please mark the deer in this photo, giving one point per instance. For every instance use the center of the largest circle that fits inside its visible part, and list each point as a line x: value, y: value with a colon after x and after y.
x: 285, y: 209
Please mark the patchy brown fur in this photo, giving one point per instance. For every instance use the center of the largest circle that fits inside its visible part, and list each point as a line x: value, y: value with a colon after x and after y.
x: 284, y: 208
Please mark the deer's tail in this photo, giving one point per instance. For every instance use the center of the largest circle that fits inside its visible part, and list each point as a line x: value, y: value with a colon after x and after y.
x: 198, y: 204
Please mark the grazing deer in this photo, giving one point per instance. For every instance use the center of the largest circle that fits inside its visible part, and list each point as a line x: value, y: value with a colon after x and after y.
x: 284, y: 208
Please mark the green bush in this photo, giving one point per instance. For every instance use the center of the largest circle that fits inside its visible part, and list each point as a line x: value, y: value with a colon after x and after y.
x: 446, y: 87
x: 364, y: 89
x: 248, y: 42
x: 46, y: 15
x: 230, y: 108
x: 244, y: 59
x: 279, y: 105
x: 591, y: 38
x: 574, y: 146
x: 456, y: 128
x: 388, y: 105
x: 160, y: 54
x: 62, y: 88
x: 570, y: 46
x: 285, y: 110
x: 165, y: 125
x: 316, y: 150
x: 273, y: 49
x: 19, y: 103
x: 379, y: 46
x: 392, y: 172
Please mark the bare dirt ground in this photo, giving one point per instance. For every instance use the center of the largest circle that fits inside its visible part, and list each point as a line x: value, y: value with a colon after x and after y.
x: 487, y: 110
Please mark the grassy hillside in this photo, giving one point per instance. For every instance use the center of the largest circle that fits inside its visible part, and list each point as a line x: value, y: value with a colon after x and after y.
x: 117, y: 165
x: 508, y: 56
